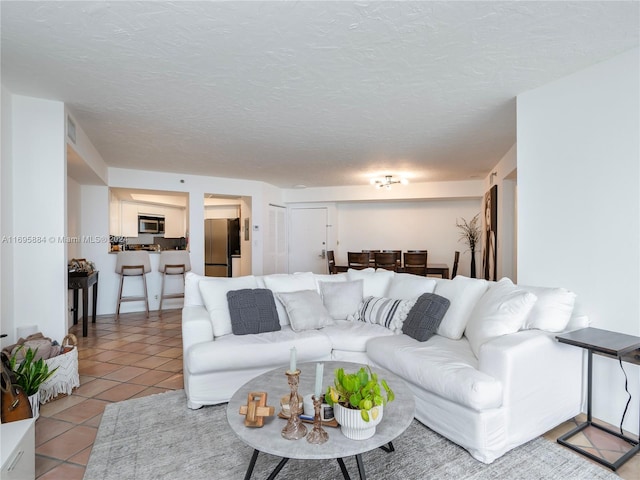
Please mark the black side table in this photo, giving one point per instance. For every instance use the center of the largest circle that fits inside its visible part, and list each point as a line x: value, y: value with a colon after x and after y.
x: 610, y: 344
x: 83, y: 281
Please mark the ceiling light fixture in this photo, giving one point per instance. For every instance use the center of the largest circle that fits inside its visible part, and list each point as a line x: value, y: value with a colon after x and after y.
x: 387, y: 181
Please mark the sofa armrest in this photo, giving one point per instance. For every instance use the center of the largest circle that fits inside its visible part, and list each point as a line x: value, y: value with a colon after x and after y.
x: 196, y: 326
x: 532, y: 364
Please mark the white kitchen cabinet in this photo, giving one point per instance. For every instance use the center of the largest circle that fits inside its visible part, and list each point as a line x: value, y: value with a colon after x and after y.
x: 18, y: 450
x: 174, y: 222
x: 115, y: 225
x: 129, y: 219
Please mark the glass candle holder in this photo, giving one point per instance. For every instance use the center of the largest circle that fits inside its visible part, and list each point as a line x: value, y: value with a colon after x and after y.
x: 318, y: 434
x: 294, y: 429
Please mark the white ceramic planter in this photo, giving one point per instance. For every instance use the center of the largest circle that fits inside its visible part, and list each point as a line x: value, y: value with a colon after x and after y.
x: 34, y: 400
x: 353, y: 426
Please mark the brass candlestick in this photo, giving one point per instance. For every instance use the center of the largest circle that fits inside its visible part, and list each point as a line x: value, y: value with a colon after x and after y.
x: 318, y: 435
x: 294, y: 429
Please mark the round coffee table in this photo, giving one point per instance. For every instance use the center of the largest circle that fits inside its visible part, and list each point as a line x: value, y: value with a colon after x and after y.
x: 398, y: 415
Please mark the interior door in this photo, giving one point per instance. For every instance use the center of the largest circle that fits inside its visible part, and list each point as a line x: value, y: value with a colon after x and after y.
x: 308, y: 240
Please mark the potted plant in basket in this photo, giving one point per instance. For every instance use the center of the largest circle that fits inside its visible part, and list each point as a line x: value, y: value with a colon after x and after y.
x: 30, y: 374
x: 470, y: 234
x: 358, y: 400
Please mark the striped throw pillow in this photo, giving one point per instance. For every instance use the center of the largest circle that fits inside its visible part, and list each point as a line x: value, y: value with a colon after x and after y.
x: 387, y: 312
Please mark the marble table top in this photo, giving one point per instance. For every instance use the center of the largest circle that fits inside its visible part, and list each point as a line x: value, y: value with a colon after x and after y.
x: 397, y: 416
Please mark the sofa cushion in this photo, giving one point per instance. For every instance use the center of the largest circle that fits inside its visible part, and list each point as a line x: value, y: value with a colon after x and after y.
x: 387, y: 312
x: 500, y: 311
x: 257, y: 351
x: 214, y: 294
x: 376, y: 282
x: 284, y: 282
x: 405, y: 286
x: 440, y: 365
x: 192, y: 296
x: 349, y: 336
x: 425, y: 316
x: 463, y: 293
x: 341, y: 298
x: 305, y: 310
x: 252, y: 311
x: 338, y: 277
x: 553, y: 309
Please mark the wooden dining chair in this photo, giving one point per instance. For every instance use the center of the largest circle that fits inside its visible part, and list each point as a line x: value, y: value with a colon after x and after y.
x: 398, y: 254
x: 331, y: 262
x: 372, y: 257
x: 386, y: 260
x: 454, y: 270
x: 416, y: 263
x: 358, y: 260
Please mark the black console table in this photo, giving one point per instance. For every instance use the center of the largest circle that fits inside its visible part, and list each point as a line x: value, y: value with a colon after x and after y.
x: 610, y: 344
x: 83, y: 281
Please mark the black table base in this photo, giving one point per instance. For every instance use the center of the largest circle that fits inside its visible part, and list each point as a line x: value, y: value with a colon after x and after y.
x: 345, y: 473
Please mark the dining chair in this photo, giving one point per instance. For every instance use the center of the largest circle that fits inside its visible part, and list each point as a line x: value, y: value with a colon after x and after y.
x: 454, y: 270
x: 372, y: 257
x: 416, y: 263
x: 398, y: 254
x: 358, y: 260
x: 386, y: 260
x: 331, y: 262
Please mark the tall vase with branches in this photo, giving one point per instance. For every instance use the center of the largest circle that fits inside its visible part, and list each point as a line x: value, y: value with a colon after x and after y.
x: 470, y: 235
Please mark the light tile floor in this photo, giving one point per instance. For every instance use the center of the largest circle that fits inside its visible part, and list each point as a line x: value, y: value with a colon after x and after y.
x: 130, y: 358
x: 135, y: 357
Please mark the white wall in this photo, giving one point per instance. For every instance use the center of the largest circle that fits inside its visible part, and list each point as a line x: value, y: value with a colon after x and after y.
x: 85, y: 149
x: 38, y: 203
x: 7, y: 324
x: 407, y: 225
x: 579, y: 206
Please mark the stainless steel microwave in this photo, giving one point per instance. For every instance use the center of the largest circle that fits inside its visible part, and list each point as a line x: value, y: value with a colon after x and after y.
x: 150, y: 224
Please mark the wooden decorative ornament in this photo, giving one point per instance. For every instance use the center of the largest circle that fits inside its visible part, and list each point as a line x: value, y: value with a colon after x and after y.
x: 256, y: 409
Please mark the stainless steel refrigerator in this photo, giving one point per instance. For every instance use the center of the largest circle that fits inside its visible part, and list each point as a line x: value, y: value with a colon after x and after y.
x: 221, y: 241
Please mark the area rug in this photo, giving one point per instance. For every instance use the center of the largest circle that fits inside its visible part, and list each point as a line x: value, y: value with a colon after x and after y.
x: 158, y: 437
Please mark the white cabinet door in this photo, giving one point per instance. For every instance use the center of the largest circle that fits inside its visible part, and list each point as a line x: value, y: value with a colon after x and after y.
x: 129, y: 217
x: 115, y: 225
x: 18, y: 450
x: 174, y: 226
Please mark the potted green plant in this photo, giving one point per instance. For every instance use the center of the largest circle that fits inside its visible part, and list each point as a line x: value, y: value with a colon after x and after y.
x: 470, y: 234
x: 30, y: 374
x: 358, y: 401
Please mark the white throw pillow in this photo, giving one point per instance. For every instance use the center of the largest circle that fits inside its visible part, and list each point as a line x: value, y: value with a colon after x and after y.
x: 305, y: 310
x: 405, y: 286
x: 214, y: 294
x: 284, y: 282
x: 553, y: 309
x: 338, y: 277
x: 463, y: 293
x: 376, y: 282
x: 500, y: 311
x: 341, y: 299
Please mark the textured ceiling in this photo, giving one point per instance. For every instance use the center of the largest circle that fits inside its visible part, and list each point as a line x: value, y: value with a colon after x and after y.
x: 313, y: 93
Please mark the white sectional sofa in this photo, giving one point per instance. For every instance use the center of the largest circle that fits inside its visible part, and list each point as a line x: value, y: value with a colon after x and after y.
x: 490, y: 378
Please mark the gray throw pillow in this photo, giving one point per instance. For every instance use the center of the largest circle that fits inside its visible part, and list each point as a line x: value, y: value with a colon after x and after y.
x: 424, y: 318
x: 252, y: 311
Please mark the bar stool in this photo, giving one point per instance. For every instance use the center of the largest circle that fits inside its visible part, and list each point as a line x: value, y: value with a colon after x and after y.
x: 133, y: 264
x: 173, y: 262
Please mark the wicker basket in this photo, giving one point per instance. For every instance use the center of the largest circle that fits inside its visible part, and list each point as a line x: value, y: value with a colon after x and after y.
x: 66, y: 377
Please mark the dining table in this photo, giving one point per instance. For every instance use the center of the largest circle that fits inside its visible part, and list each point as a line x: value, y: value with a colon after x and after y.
x: 441, y: 269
